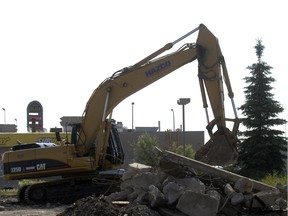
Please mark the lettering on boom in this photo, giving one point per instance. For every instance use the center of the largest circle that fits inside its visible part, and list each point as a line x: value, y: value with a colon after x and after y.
x: 158, y: 69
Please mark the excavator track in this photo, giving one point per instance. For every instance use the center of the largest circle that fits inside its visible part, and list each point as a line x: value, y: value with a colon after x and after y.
x: 35, y: 194
x: 21, y: 194
x: 68, y: 190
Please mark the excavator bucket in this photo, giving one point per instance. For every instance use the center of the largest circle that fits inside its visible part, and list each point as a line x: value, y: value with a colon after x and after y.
x: 220, y: 150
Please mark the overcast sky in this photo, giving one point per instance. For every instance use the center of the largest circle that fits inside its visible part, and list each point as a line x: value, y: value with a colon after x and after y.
x: 58, y: 52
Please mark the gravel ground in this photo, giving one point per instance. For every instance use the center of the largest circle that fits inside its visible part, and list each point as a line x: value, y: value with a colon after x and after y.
x: 83, y: 207
x: 10, y: 207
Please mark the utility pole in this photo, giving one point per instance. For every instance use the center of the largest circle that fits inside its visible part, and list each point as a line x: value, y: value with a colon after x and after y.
x: 132, y: 116
x: 4, y: 115
x: 173, y: 119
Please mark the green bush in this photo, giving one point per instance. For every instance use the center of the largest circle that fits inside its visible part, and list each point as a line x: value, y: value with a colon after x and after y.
x: 274, y: 179
x: 144, y: 150
x: 179, y: 149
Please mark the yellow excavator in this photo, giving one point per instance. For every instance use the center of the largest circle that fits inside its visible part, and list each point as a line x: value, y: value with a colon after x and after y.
x: 91, y: 162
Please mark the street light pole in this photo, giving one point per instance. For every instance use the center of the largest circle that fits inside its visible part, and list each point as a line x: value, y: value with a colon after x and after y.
x: 132, y: 116
x: 16, y: 122
x: 183, y: 102
x: 173, y: 119
x: 4, y: 115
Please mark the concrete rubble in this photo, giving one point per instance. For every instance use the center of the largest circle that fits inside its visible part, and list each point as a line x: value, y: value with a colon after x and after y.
x: 184, y: 187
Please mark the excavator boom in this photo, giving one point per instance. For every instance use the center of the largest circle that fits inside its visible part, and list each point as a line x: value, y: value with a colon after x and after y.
x: 129, y: 80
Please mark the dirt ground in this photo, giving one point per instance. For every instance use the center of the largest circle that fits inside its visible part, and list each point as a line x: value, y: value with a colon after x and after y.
x: 10, y: 207
x: 86, y: 206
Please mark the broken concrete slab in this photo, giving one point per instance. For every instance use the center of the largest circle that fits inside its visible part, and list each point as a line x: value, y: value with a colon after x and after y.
x: 237, y: 198
x: 197, y: 204
x: 191, y: 183
x: 172, y: 192
x: 205, y: 191
x: 268, y: 197
x: 156, y: 197
x: 134, y: 169
x: 144, y: 180
x: 244, y: 185
x: 170, y: 212
x: 210, y: 170
x: 215, y: 194
x: 228, y: 189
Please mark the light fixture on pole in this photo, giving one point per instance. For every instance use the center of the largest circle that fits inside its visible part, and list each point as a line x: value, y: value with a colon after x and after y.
x: 132, y: 116
x: 173, y: 119
x: 183, y: 102
x: 4, y: 115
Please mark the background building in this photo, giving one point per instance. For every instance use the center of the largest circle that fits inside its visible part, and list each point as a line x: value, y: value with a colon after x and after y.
x: 35, y: 117
x: 8, y: 128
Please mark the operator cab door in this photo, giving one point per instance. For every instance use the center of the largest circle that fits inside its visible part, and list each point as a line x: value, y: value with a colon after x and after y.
x: 115, y: 153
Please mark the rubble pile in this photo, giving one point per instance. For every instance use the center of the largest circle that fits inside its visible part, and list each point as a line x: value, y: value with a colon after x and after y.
x: 184, y: 187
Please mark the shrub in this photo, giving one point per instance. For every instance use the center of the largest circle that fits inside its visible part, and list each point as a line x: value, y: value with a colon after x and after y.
x: 179, y: 149
x: 274, y: 179
x: 144, y: 150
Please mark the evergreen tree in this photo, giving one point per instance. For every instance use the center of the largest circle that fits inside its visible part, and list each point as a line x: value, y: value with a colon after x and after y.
x: 263, y: 148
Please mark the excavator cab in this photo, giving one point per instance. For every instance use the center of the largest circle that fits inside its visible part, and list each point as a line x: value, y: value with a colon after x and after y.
x: 113, y: 154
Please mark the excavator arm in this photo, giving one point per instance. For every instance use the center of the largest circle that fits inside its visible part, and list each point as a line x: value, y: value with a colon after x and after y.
x: 129, y: 80
x: 95, y: 154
